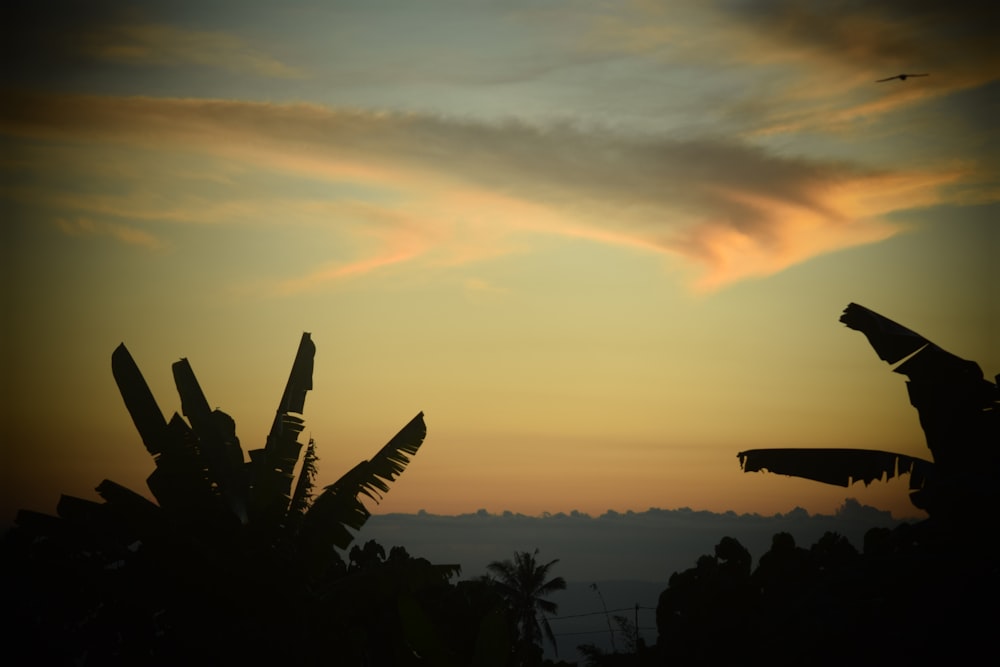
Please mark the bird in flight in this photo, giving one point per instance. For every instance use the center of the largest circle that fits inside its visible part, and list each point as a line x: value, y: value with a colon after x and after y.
x: 901, y: 77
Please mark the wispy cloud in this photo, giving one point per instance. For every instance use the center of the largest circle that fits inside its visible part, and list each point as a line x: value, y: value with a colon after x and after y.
x: 780, y: 66
x: 733, y: 209
x: 397, y: 237
x: 898, y: 33
x: 338, y: 271
x: 162, y: 44
x: 856, y: 43
x: 64, y: 41
x: 123, y: 233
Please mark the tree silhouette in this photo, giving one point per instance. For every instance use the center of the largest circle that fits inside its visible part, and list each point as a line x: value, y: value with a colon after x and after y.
x: 959, y: 411
x: 202, y: 480
x: 916, y: 593
x: 904, y: 600
x: 233, y: 562
x: 713, y: 600
x: 523, y: 582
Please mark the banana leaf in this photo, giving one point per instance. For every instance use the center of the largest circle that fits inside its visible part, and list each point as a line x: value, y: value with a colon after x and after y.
x: 841, y: 467
x: 220, y: 449
x: 339, y: 507
x: 922, y: 360
x: 272, y: 467
x: 136, y: 512
x: 890, y: 340
x: 139, y: 401
x: 178, y: 483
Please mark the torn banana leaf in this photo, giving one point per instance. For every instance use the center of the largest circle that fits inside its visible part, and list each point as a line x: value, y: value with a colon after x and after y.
x: 841, y: 467
x: 339, y: 506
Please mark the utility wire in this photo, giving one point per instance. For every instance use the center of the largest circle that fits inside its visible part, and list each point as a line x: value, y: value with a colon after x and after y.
x: 595, y: 613
x: 591, y: 632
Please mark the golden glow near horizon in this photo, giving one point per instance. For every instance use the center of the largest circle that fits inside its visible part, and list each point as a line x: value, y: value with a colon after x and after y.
x: 603, y: 247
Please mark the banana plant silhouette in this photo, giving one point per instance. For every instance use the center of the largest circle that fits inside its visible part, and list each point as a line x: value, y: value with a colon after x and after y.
x: 959, y: 412
x: 234, y: 563
x: 202, y: 482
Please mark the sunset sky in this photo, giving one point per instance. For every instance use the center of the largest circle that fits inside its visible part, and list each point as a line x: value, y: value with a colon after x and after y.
x: 602, y: 245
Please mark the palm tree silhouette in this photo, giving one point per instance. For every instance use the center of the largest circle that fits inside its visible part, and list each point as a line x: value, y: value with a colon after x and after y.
x: 523, y: 582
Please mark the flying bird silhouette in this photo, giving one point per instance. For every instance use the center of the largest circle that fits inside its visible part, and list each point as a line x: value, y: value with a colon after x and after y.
x: 901, y: 77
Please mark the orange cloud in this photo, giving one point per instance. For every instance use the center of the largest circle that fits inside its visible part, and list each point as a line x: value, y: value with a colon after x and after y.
x: 447, y: 191
x: 844, y: 215
x: 336, y: 272
x: 398, y: 237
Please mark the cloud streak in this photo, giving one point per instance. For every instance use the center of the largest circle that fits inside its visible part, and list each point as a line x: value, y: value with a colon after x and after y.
x: 123, y: 233
x: 64, y: 42
x: 866, y: 41
x: 162, y: 44
x: 440, y: 185
x: 896, y: 33
x: 781, y: 67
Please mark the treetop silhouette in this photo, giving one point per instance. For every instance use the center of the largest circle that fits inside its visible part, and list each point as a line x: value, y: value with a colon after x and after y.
x: 523, y: 582
x: 204, y: 487
x: 234, y: 562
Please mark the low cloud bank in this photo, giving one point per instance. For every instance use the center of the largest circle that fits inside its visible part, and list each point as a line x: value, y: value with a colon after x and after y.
x: 643, y: 546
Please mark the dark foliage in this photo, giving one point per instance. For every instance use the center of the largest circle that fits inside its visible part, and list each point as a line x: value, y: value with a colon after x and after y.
x: 523, y: 583
x: 920, y: 594
x: 909, y: 598
x: 233, y: 564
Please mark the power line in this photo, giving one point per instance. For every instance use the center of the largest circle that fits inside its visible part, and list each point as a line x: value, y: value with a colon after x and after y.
x: 602, y: 612
x: 593, y: 632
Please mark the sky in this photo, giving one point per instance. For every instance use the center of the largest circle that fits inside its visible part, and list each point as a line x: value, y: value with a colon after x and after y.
x: 603, y: 246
